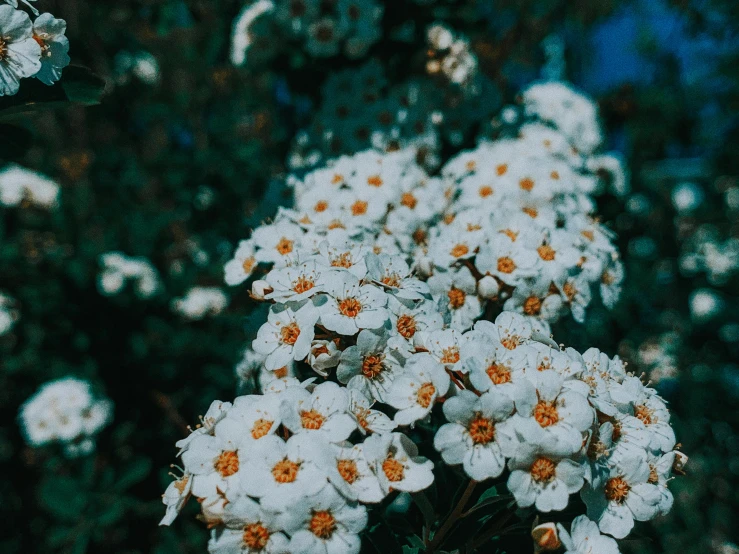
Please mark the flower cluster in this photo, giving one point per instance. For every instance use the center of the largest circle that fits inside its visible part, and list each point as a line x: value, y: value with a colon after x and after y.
x: 8, y: 315
x: 117, y: 269
x: 705, y: 252
x: 200, y: 302
x: 67, y: 412
x: 450, y: 56
x: 322, y: 28
x: 298, y: 464
x: 30, y: 48
x: 19, y: 185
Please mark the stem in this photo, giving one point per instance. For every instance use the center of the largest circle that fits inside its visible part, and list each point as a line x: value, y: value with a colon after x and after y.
x: 452, y: 519
x: 491, y: 532
x: 170, y: 410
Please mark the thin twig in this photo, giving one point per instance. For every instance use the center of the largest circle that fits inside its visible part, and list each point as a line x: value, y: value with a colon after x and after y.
x: 170, y: 410
x: 452, y: 519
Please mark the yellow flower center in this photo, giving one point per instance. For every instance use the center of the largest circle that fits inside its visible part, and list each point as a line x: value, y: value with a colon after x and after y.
x: 506, y: 265
x: 260, y: 428
x: 227, y: 463
x: 348, y: 470
x: 406, y: 326
x: 350, y: 307
x: 285, y: 246
x: 289, y: 333
x: 425, y: 395
x: 255, y: 536
x: 616, y: 489
x: 456, y: 298
x: 543, y: 470
x: 481, y: 429
x: 373, y: 365
x: 532, y: 305
x: 285, y: 471
x: 498, y: 374
x: 393, y: 469
x: 322, y: 524
x: 545, y: 413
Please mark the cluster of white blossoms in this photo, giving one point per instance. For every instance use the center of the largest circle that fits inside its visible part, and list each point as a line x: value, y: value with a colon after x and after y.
x: 323, y: 29
x: 117, y: 270
x: 295, y: 468
x: 8, y: 315
x: 65, y: 411
x: 200, y: 302
x: 28, y: 48
x: 19, y: 185
x: 450, y: 56
x: 705, y: 252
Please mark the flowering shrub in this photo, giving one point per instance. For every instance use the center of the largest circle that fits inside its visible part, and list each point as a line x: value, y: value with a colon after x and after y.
x: 385, y: 283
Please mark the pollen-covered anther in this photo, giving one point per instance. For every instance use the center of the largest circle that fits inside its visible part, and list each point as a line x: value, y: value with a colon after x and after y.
x: 373, y: 365
x: 644, y: 414
x: 526, y: 184
x: 284, y: 246
x: 543, y: 470
x: 285, y: 471
x: 481, y: 429
x: 256, y: 536
x: 450, y: 355
x: 532, y: 305
x: 303, y: 284
x: 391, y: 280
x: 311, y: 419
x: 227, y: 463
x: 322, y: 524
x: 248, y: 264
x: 408, y: 200
x: 546, y: 252
x: 406, y: 326
x: 425, y: 395
x: 260, y: 428
x: 485, y: 191
x: 545, y: 413
x: 457, y: 298
x: 348, y: 470
x: 616, y: 489
x: 289, y: 333
x: 506, y: 265
x: 459, y: 250
x: 350, y: 307
x: 498, y: 373
x: 375, y: 181
x: 393, y: 469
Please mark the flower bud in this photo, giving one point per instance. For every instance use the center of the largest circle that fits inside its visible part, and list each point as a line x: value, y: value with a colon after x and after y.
x: 259, y: 289
x: 546, y: 538
x: 323, y: 355
x: 680, y: 462
x: 425, y: 266
x: 488, y: 287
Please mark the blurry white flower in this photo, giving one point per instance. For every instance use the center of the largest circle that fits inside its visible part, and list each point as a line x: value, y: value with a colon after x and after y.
x: 48, y: 32
x: 20, y: 54
x: 64, y: 411
x: 585, y: 538
x: 200, y: 302
x: 18, y: 184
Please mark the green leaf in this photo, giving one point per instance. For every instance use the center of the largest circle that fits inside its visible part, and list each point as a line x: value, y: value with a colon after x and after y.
x: 135, y: 471
x: 61, y: 496
x: 78, y: 85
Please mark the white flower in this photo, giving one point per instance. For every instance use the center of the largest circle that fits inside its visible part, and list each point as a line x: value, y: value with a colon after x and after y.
x: 322, y: 412
x: 249, y: 529
x: 457, y: 291
x: 324, y: 355
x: 414, y: 392
x: 325, y: 523
x: 175, y: 498
x: 550, y: 412
x: 18, y: 183
x: 242, y: 33
x: 240, y: 268
x: 407, y: 320
x: 280, y: 473
x: 368, y: 420
x: 20, y: 54
x: 370, y: 366
x: 353, y: 476
x: 585, y: 538
x: 48, y: 32
x: 66, y: 411
x: 393, y: 272
x: 294, y: 283
x: 200, y: 302
x: 444, y: 345
x: 543, y: 479
x: 471, y: 438
x: 625, y: 496
x: 350, y: 307
x: 276, y: 243
x: 394, y: 459
x: 258, y: 416
x: 215, y: 460
x: 286, y: 336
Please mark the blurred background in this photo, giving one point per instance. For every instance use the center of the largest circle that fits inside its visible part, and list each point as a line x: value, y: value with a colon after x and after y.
x: 189, y: 147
